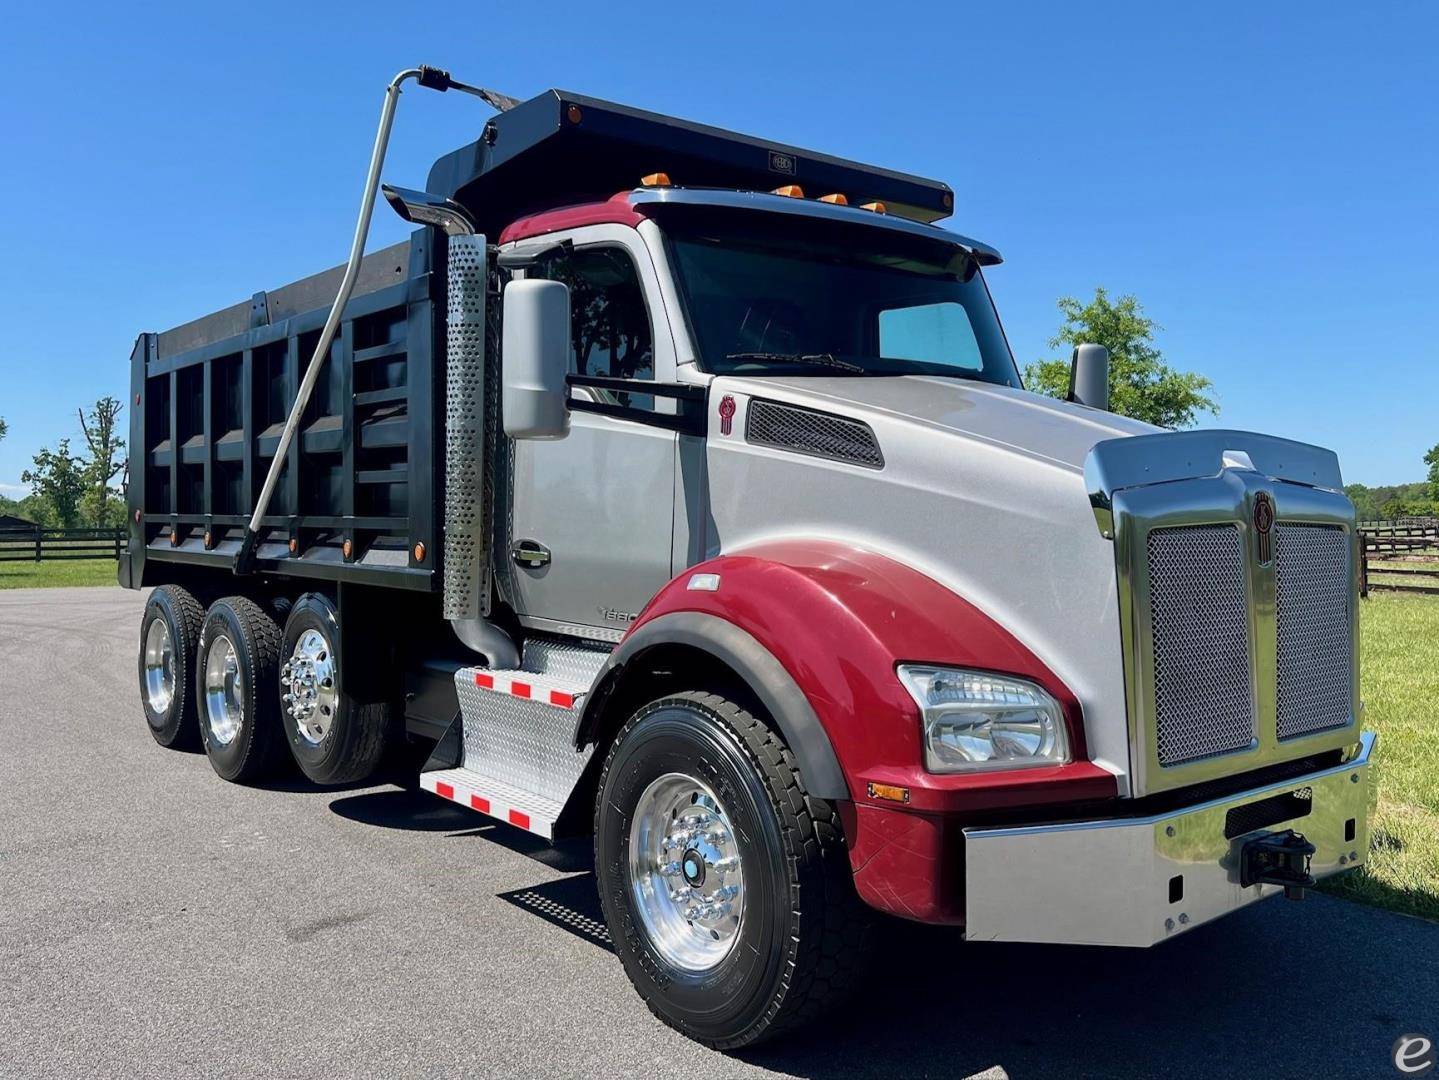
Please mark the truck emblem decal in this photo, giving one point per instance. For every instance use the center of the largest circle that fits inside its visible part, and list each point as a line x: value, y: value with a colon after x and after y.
x: 726, y: 413
x: 781, y: 163
x: 1264, y: 525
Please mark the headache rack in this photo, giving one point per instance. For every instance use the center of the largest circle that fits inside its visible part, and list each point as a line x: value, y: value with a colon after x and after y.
x: 357, y: 497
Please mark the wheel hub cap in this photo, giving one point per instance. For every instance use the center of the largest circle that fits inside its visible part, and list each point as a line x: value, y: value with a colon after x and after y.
x: 224, y: 691
x: 310, y: 678
x: 685, y: 873
x: 159, y: 667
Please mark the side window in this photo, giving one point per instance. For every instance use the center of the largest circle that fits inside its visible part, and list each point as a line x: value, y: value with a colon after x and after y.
x: 609, y: 320
x: 938, y: 333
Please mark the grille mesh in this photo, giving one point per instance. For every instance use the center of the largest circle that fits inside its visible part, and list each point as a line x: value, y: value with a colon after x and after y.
x: 1314, y: 654
x: 806, y: 431
x: 1198, y: 609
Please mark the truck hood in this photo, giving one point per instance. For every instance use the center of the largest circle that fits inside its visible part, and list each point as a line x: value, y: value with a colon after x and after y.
x: 981, y: 488
x: 1024, y: 423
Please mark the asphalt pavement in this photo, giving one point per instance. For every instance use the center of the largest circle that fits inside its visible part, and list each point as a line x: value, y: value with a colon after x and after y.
x: 157, y: 921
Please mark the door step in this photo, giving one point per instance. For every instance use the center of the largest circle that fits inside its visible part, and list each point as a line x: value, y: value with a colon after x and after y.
x: 523, y: 809
x: 519, y: 762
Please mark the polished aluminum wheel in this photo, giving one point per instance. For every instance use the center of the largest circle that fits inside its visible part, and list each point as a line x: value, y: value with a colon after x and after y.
x: 310, y: 676
x: 224, y: 691
x: 685, y: 874
x: 159, y: 667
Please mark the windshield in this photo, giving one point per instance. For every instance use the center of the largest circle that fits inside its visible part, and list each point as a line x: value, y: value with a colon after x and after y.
x: 767, y: 294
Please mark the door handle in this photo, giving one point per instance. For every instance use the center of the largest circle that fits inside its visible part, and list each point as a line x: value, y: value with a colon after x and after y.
x: 530, y: 553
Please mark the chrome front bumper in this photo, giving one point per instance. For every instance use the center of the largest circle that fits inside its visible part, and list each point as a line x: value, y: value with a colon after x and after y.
x: 1110, y: 882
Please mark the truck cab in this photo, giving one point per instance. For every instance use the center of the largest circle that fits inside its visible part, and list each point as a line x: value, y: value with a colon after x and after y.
x: 709, y: 515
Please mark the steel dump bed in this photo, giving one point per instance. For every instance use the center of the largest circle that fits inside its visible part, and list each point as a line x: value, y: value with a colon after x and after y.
x: 356, y: 499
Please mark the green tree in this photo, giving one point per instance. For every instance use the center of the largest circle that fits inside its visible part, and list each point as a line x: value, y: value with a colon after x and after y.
x: 4, y: 429
x: 61, y: 480
x: 1141, y: 384
x: 102, y: 437
x: 1366, y: 505
x: 1431, y: 459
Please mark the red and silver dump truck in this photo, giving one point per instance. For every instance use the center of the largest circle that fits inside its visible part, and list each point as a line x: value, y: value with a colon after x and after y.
x: 680, y: 488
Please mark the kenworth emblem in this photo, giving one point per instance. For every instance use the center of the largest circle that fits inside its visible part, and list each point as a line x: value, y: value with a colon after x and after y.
x: 726, y: 413
x: 1264, y: 525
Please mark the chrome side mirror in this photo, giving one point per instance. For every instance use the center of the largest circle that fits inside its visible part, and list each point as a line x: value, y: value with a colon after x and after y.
x: 535, y: 358
x: 1089, y: 376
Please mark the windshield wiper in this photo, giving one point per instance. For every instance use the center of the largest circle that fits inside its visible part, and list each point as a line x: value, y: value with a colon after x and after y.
x: 817, y: 359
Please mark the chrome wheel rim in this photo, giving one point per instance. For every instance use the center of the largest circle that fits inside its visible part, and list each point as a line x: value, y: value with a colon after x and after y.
x: 224, y: 691
x: 312, y: 697
x: 686, y: 879
x: 159, y: 667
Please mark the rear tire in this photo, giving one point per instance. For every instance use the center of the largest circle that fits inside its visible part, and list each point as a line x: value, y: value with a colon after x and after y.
x: 726, y: 888
x: 334, y: 739
x: 169, y: 633
x: 236, y: 690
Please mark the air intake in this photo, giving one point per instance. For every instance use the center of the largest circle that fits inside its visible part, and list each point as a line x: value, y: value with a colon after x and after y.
x: 808, y: 431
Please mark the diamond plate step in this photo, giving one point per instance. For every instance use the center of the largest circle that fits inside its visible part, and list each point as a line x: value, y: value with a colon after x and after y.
x: 524, y: 809
x: 519, y: 762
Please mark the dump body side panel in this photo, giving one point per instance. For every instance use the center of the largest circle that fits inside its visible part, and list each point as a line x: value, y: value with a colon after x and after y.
x: 358, y: 498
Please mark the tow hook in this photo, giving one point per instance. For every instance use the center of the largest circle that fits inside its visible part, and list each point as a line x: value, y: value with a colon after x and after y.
x: 1280, y: 858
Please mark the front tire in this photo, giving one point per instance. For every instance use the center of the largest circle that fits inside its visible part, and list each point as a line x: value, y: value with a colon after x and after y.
x: 237, y: 690
x: 726, y: 888
x: 169, y: 632
x: 334, y: 739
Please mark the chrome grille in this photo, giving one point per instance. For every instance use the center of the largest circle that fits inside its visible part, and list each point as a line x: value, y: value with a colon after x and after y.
x: 1203, y: 701
x: 807, y: 431
x: 1314, y: 642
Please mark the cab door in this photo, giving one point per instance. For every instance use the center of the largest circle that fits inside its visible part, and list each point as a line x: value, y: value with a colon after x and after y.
x: 592, y: 514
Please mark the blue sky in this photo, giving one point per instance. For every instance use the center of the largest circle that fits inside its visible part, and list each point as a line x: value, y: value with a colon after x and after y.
x: 1265, y: 178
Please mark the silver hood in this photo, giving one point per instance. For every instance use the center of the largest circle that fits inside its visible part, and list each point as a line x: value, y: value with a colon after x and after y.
x: 982, y: 488
x: 1027, y: 424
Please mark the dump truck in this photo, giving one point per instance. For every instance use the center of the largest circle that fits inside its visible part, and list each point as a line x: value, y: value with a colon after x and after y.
x: 680, y: 489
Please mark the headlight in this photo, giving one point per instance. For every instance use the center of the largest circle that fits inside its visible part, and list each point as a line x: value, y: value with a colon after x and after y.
x: 974, y: 720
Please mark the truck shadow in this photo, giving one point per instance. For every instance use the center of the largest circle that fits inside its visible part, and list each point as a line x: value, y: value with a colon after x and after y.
x: 1315, y: 989
x: 1321, y: 988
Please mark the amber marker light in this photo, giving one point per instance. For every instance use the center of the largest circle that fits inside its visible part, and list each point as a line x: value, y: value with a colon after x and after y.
x: 874, y: 207
x: 420, y: 551
x: 294, y: 546
x: 793, y: 191
x: 655, y: 179
x: 889, y: 793
x: 835, y: 198
x: 574, y: 114
x: 347, y: 549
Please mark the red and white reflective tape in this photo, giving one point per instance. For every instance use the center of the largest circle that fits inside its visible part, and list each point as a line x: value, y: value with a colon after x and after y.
x: 501, y: 682
x: 491, y: 803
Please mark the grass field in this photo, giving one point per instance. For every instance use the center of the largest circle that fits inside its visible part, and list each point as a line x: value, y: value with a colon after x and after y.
x: 53, y: 573
x: 1399, y: 649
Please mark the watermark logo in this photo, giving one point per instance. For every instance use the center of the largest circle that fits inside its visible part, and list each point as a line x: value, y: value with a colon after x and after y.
x: 1414, y: 1055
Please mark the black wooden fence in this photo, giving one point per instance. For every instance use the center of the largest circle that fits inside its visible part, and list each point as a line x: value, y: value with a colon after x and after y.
x: 35, y: 545
x: 1401, y: 556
